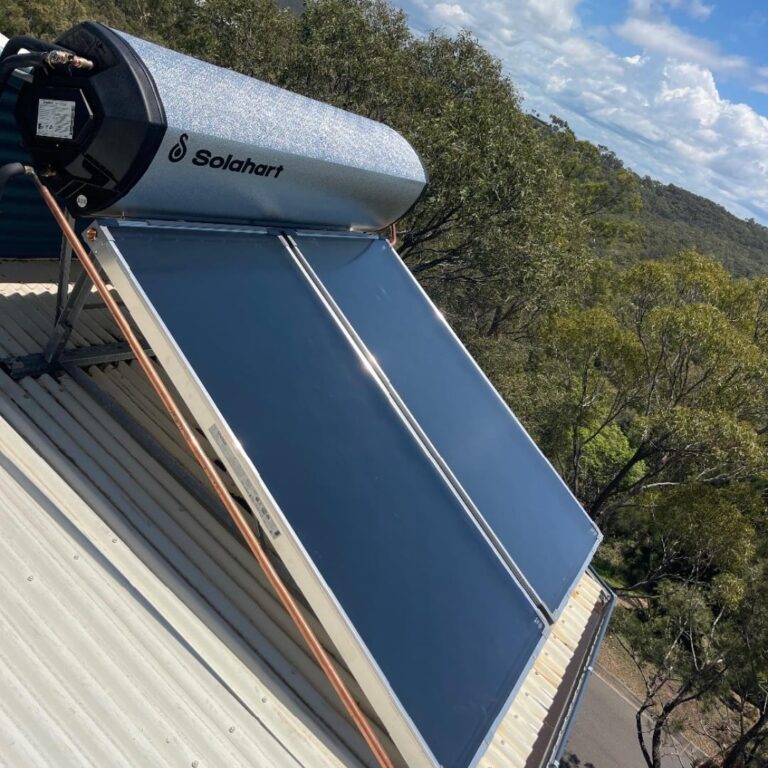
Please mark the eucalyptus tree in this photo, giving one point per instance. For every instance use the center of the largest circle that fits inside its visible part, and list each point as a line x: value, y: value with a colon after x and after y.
x: 659, y: 382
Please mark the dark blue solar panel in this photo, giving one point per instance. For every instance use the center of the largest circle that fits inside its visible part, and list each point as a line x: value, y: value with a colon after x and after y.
x: 439, y: 612
x: 516, y: 490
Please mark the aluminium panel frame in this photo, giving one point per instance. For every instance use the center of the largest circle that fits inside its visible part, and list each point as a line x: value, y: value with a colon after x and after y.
x: 363, y: 666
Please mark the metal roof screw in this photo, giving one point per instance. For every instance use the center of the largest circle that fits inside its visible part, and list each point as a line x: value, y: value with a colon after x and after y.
x: 263, y: 699
x: 30, y: 578
x: 77, y: 557
x: 90, y: 234
x: 114, y: 541
x: 231, y: 728
x: 195, y: 763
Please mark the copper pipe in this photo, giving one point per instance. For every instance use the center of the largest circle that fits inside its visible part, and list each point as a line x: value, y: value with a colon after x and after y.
x: 393, y: 235
x: 320, y: 654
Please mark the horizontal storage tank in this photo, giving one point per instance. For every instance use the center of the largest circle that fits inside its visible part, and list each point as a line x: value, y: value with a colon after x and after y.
x: 149, y: 132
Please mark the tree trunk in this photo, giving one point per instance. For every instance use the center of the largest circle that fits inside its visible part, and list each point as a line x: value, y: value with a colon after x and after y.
x: 641, y: 736
x: 595, y: 507
x: 734, y: 757
x: 658, y: 732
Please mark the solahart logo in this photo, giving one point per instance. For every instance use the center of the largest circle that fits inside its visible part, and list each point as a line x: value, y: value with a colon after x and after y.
x: 179, y: 149
x: 205, y: 158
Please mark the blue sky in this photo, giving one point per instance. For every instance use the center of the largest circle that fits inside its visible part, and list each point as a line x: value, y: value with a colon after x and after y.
x: 677, y: 88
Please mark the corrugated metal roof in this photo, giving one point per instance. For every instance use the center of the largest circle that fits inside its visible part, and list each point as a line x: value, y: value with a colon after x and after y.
x: 172, y: 546
x: 519, y: 730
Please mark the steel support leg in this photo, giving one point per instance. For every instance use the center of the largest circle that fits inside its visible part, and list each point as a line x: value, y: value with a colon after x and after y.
x: 67, y: 318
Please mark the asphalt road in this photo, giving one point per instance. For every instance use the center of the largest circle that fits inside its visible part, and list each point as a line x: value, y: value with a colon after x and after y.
x: 603, y: 735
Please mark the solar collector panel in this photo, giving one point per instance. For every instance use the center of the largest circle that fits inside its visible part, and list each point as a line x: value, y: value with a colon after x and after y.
x: 434, y: 606
x: 532, y: 513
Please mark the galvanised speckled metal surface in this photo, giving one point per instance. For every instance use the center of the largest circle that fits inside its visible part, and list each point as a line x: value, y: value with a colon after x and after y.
x: 240, y: 149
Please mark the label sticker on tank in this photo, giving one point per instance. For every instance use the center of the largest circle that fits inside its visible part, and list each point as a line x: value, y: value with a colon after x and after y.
x: 244, y: 481
x: 56, y: 118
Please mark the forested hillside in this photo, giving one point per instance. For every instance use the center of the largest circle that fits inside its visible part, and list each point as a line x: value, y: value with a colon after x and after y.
x: 639, y: 364
x: 672, y: 219
x: 655, y: 220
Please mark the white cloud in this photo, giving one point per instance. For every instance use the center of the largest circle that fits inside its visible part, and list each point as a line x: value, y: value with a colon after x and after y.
x: 452, y: 12
x: 558, y: 15
x: 512, y: 17
x: 660, y: 110
x: 697, y: 9
x: 660, y: 36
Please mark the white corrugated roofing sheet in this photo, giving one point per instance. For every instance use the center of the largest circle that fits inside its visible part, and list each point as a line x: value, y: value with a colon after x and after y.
x: 100, y: 663
x: 136, y: 630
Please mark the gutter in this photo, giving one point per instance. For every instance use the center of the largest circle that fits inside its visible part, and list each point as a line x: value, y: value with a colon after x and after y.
x: 584, y: 674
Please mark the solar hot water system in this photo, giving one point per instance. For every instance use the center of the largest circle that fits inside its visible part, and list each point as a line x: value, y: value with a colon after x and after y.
x: 236, y: 221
